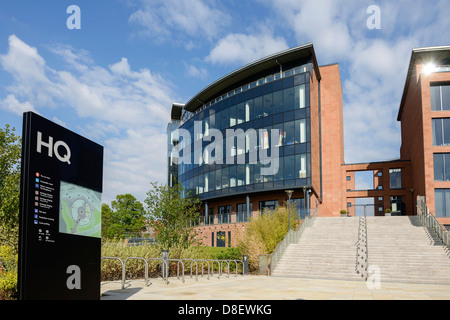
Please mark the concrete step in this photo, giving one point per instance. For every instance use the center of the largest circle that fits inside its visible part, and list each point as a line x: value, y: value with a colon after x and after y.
x: 401, y: 247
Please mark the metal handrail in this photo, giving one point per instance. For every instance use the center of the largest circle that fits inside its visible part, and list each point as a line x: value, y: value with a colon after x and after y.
x: 430, y: 221
x: 290, y: 237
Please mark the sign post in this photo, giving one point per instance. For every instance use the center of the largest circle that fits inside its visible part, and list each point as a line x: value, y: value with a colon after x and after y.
x: 60, y: 213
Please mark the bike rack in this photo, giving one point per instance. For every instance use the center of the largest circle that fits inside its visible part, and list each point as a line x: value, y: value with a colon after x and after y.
x: 146, y: 268
x: 236, y: 263
x: 212, y: 267
x: 178, y: 268
x: 196, y: 267
x: 228, y: 263
x: 204, y: 260
x: 165, y: 271
x: 123, y: 269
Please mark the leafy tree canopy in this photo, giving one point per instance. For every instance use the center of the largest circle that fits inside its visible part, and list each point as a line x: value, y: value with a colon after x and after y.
x: 172, y: 215
x: 10, y: 157
x: 125, y: 216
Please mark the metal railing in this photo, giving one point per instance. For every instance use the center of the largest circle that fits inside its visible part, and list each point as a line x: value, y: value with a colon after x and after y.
x: 291, y: 237
x: 166, y: 263
x: 362, y: 255
x: 430, y: 221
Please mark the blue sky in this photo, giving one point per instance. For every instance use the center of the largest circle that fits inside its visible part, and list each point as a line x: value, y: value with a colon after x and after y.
x: 114, y: 80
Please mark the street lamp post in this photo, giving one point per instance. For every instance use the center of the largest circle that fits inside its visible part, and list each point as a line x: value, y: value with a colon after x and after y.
x: 289, y: 194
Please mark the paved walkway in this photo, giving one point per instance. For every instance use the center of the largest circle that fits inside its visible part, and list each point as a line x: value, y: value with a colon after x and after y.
x: 269, y: 288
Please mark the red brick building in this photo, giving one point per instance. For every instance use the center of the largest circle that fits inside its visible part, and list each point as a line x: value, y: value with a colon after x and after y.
x: 290, y: 94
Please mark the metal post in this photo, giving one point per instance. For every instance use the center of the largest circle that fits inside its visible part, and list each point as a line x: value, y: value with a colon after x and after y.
x: 289, y: 194
x: 205, y: 222
x: 245, y: 265
x: 247, y: 204
x: 165, y: 266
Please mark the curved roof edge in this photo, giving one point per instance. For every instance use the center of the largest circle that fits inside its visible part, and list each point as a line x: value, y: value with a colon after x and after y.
x: 176, y: 111
x: 417, y: 54
x: 266, y: 63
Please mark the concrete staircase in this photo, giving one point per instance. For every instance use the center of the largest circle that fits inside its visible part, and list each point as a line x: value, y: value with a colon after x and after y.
x: 405, y: 251
x: 325, y: 250
x: 399, y: 247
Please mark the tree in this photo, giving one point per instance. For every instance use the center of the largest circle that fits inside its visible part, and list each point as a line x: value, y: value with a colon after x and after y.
x: 172, y: 215
x: 10, y: 157
x: 126, y: 215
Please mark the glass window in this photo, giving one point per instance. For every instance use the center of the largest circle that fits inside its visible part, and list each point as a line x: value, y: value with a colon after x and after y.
x: 441, y: 131
x: 233, y: 176
x: 300, y: 96
x: 211, y: 180
x: 300, y: 131
x: 440, y: 97
x: 395, y: 178
x: 233, y: 115
x: 445, y: 97
x: 279, y: 174
x: 249, y: 174
x: 288, y: 98
x: 218, y: 179
x: 282, y: 134
x: 240, y: 174
x: 278, y: 101
x: 218, y: 124
x: 206, y: 122
x: 225, y: 118
x: 268, y: 205
x: 437, y: 132
x: 289, y: 167
x: 446, y: 131
x: 442, y: 202
x: 435, y: 94
x: 258, y: 107
x: 249, y: 110
x: 301, y: 165
x: 267, y: 100
x: 264, y: 138
x: 240, y: 113
x: 258, y: 178
x: 290, y: 133
x: 441, y: 163
x: 225, y: 178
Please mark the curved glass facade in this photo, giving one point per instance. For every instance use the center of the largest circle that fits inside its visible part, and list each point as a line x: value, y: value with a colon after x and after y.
x: 277, y: 103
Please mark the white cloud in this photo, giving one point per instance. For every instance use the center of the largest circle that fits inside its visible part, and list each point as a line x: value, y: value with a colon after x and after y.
x: 107, y: 102
x: 167, y: 20
x: 10, y: 103
x: 194, y: 72
x: 242, y: 48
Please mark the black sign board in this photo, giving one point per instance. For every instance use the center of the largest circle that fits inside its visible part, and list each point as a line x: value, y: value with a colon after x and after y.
x: 60, y: 213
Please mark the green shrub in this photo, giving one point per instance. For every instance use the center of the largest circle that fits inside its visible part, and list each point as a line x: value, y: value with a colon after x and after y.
x: 263, y: 234
x: 112, y: 269
x: 8, y: 273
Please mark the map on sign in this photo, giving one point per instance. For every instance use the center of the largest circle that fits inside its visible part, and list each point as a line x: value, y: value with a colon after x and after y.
x: 80, y: 210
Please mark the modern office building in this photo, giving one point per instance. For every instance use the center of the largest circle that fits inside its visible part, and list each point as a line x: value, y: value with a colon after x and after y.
x: 424, y: 114
x: 276, y: 124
